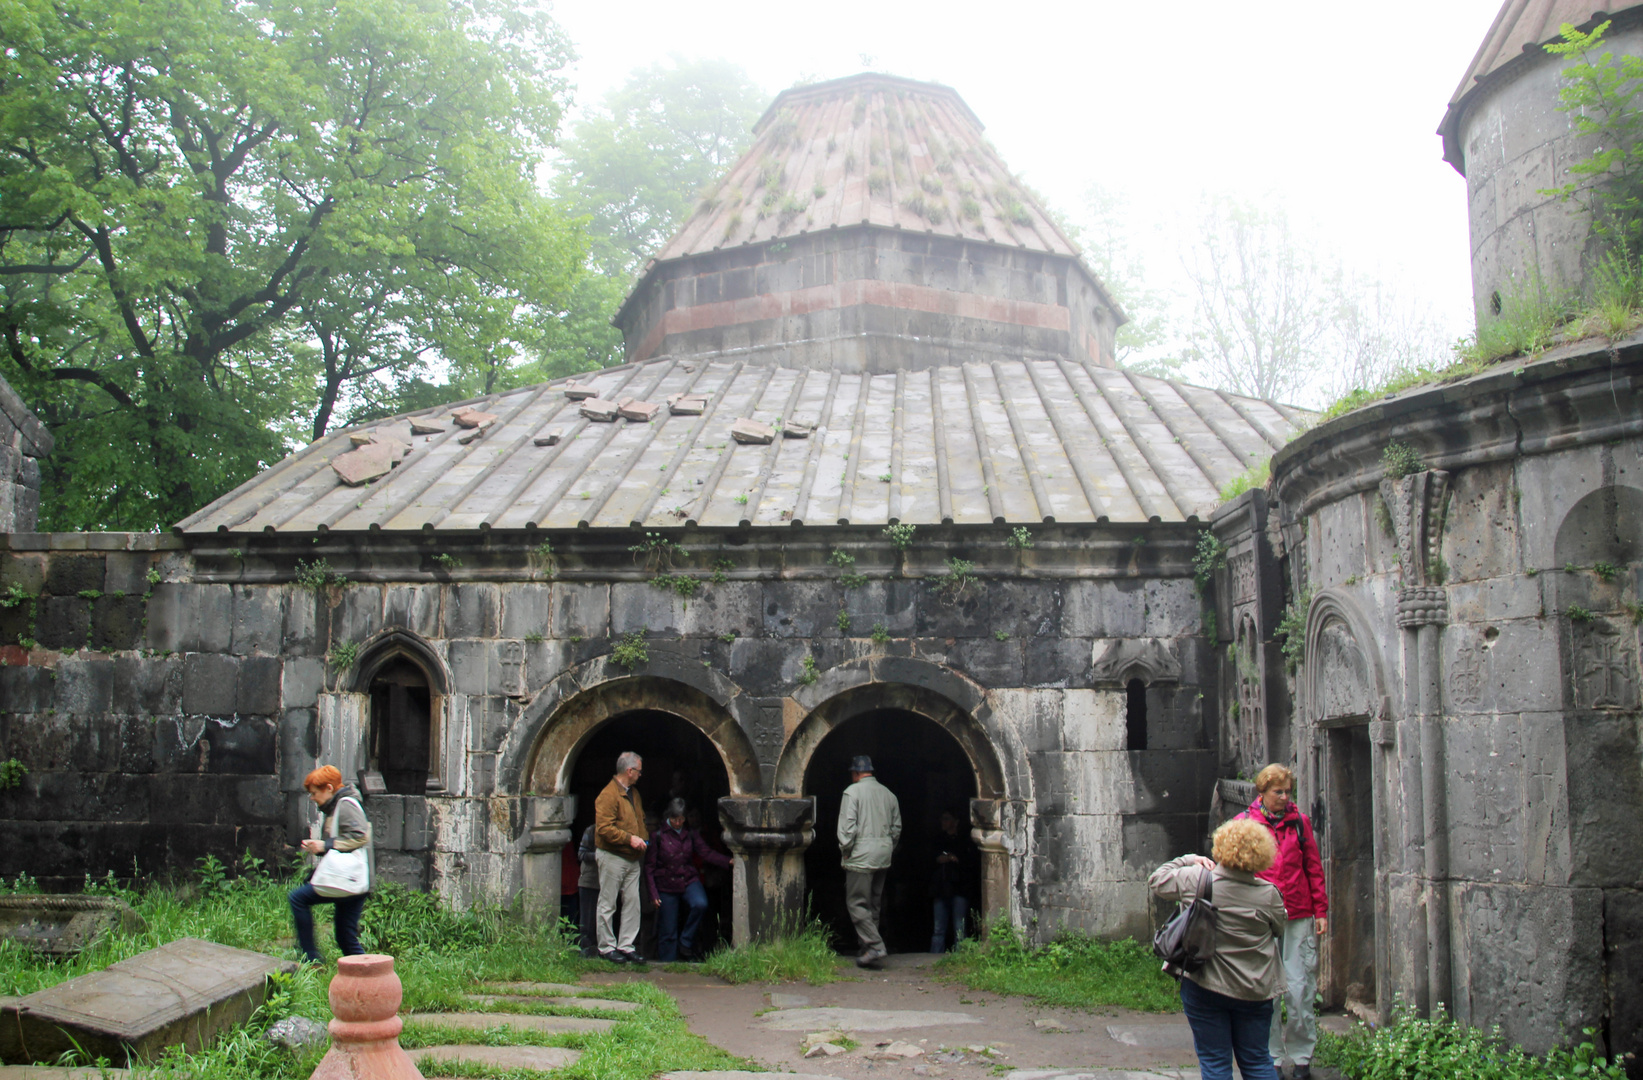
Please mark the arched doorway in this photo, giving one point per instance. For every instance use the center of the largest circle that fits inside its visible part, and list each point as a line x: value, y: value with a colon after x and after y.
x: 929, y: 772
x: 679, y: 761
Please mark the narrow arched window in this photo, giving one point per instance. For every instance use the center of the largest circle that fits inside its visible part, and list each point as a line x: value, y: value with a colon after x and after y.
x: 401, y: 727
x: 1135, y: 715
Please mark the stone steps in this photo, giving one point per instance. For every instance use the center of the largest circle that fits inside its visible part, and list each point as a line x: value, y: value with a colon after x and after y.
x: 475, y: 1021
x: 540, y: 1058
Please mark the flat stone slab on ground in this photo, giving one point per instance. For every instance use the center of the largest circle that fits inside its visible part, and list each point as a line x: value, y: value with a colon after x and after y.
x: 737, y: 1075
x: 557, y: 1002
x: 58, y: 1072
x: 541, y: 1058
x: 789, y: 1001
x: 517, y: 1021
x: 181, y: 994
x: 536, y: 988
x: 1152, y: 1036
x: 861, y: 1019
x: 59, y: 925
x: 1161, y: 1073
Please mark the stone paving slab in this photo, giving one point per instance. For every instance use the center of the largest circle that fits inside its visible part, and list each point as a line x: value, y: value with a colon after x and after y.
x: 517, y: 1021
x: 789, y: 1001
x: 825, y: 1019
x: 737, y: 1075
x: 1103, y: 1074
x: 183, y: 993
x: 57, y: 1072
x: 558, y: 1002
x: 1152, y: 1036
x: 537, y: 988
x: 541, y: 1058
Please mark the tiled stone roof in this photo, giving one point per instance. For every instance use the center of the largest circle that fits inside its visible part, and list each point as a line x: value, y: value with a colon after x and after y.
x: 1008, y: 441
x: 1522, y: 26
x: 868, y: 150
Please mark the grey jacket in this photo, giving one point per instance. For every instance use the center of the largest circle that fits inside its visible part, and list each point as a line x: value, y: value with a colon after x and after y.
x: 1250, y: 923
x: 344, y: 826
x: 869, y: 825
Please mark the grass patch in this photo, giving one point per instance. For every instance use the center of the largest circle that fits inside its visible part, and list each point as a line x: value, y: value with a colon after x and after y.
x: 805, y: 956
x: 1413, y: 1048
x: 1074, y: 970
x: 1256, y: 476
x: 440, y: 956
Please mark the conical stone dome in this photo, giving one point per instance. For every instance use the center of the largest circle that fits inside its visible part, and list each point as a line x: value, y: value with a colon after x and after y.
x: 870, y: 227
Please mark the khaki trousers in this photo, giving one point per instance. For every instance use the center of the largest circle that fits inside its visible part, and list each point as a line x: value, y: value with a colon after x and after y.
x: 618, y: 883
x: 864, y: 900
x: 1296, y: 1035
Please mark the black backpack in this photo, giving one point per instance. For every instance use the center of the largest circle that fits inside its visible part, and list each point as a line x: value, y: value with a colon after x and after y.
x: 1187, y: 941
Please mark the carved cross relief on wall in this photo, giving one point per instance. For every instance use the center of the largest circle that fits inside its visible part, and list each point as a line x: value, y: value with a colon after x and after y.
x: 1605, y: 670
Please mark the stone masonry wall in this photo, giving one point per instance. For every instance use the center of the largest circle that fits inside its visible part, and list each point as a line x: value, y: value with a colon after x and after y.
x: 1481, y: 617
x: 869, y: 299
x: 175, y: 712
x: 23, y: 442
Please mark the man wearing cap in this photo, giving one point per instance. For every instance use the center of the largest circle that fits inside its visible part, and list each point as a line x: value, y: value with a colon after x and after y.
x: 869, y: 826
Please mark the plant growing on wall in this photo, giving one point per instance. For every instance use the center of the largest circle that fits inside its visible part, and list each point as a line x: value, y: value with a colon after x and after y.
x: 1209, y: 556
x: 1291, y: 629
x: 1399, y: 460
x: 629, y: 652
x: 959, y: 581
x: 900, y: 535
x: 12, y: 772
x: 315, y: 575
x: 343, y: 654
x: 657, y: 552
x: 1601, y: 94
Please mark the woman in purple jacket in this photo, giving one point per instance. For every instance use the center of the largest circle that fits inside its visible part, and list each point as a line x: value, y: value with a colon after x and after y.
x: 670, y: 871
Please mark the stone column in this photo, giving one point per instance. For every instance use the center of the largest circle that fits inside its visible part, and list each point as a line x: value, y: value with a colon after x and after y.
x: 995, y: 829
x: 769, y: 838
x: 548, y: 821
x: 1423, y: 611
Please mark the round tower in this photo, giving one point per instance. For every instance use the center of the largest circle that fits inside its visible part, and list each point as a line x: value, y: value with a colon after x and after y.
x: 870, y: 227
x: 1503, y: 131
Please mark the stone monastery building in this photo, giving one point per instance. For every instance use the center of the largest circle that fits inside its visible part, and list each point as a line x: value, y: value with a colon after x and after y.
x: 871, y: 482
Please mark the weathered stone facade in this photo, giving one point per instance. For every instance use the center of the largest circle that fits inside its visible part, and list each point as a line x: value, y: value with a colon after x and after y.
x: 187, y: 727
x: 23, y: 442
x: 1467, y: 726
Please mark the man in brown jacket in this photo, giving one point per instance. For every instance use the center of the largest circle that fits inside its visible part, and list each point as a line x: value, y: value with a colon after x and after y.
x: 620, y: 839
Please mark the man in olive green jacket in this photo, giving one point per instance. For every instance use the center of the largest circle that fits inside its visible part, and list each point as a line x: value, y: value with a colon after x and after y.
x: 869, y: 826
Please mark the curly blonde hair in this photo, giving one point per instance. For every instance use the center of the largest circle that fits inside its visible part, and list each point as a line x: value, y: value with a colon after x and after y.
x: 1244, y: 844
x: 1274, y: 774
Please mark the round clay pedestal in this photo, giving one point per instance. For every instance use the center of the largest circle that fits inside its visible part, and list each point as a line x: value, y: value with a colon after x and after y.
x: 365, y: 997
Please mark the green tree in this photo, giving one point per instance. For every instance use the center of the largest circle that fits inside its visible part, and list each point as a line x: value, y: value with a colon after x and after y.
x: 1112, y: 245
x: 634, y: 168
x: 218, y: 216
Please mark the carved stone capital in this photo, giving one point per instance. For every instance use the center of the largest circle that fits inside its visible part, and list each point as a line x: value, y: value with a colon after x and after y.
x: 1416, y: 503
x: 548, y: 822
x: 764, y: 826
x: 1426, y: 605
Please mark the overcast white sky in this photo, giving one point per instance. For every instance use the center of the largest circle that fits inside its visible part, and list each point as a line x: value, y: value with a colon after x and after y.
x: 1329, y: 107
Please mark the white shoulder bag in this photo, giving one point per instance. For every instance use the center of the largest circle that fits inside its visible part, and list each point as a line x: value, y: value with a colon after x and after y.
x: 344, y: 873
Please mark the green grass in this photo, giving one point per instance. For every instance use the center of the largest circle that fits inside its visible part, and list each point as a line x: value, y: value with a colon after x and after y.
x: 440, y: 955
x: 1256, y: 476
x: 1074, y: 970
x: 1412, y: 1048
x: 806, y: 956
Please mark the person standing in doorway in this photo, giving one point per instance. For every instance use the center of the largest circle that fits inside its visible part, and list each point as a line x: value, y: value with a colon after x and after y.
x: 587, y: 888
x: 621, y: 838
x: 957, y: 866
x: 1298, y: 874
x: 869, y: 827
x: 671, y: 871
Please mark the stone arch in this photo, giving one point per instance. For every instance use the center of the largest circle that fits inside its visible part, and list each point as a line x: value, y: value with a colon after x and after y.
x: 397, y: 642
x: 561, y: 718
x: 1606, y: 525
x: 1343, y: 675
x: 392, y: 725
x: 939, y: 694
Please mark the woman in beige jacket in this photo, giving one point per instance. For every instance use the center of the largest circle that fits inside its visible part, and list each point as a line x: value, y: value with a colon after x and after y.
x: 1228, y: 1001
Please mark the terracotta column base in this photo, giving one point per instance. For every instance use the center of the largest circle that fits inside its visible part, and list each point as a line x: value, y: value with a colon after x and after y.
x: 365, y: 997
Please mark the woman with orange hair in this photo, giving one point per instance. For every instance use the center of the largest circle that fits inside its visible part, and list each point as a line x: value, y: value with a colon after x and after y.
x: 343, y: 827
x: 1228, y: 1001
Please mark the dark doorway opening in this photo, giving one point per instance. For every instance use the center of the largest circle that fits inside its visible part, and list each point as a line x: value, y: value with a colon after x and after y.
x: 928, y: 772
x: 1349, y: 867
x: 402, y: 727
x: 679, y: 761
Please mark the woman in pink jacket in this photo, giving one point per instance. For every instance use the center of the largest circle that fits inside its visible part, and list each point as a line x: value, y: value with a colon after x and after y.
x: 1299, y: 875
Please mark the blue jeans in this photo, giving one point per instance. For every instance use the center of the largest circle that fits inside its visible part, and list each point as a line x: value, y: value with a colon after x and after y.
x: 303, y: 898
x: 1224, y: 1028
x: 669, y: 939
x: 949, y: 912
